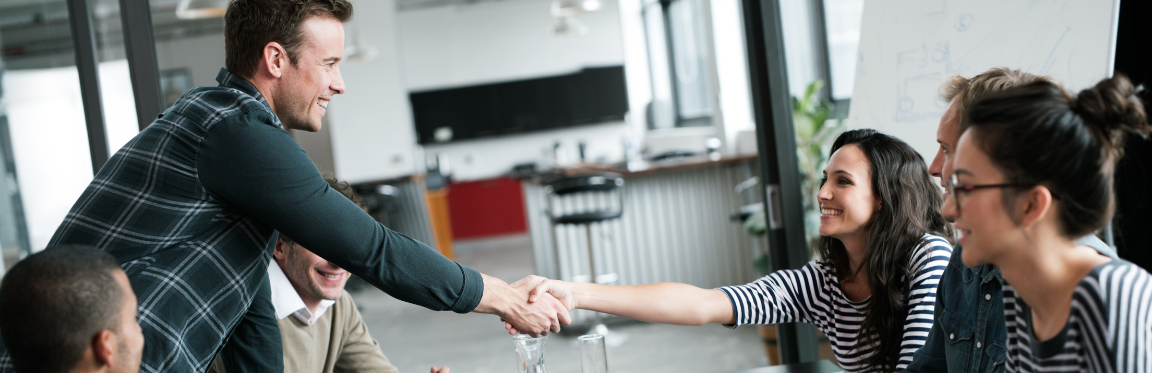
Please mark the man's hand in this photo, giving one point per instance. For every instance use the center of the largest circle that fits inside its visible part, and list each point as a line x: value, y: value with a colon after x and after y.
x: 441, y: 370
x: 560, y: 290
x: 511, y: 304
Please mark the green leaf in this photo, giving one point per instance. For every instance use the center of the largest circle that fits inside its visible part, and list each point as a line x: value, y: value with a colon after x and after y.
x: 756, y: 225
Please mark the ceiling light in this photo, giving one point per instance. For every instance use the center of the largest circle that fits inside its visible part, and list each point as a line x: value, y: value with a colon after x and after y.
x: 197, y: 9
x: 359, y: 50
x: 564, y: 8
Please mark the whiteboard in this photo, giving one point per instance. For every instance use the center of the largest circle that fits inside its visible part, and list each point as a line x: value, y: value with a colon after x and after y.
x: 909, y: 48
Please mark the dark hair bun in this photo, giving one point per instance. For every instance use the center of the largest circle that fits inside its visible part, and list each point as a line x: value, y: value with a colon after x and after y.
x: 1114, y: 107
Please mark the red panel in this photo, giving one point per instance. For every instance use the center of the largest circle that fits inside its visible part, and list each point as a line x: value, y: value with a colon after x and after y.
x: 486, y: 208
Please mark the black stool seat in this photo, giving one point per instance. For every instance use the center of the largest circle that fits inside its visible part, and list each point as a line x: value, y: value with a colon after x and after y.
x: 588, y: 217
x: 594, y: 182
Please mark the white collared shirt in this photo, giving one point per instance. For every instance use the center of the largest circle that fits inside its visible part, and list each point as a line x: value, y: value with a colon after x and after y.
x: 287, y: 301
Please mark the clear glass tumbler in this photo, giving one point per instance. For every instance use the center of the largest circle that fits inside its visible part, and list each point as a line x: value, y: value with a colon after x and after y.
x: 531, y: 352
x: 593, y: 358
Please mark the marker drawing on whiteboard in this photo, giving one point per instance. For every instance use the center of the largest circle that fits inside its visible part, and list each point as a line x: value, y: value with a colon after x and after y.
x: 919, y: 73
x: 964, y: 22
x: 1062, y: 52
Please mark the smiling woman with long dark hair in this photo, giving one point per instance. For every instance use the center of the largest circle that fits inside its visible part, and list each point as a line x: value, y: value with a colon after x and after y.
x: 883, y: 248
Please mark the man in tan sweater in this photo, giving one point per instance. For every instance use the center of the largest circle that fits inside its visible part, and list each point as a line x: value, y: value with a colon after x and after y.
x: 321, y: 328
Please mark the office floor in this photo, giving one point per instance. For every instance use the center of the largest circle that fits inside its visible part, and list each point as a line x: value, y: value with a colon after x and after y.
x: 415, y: 338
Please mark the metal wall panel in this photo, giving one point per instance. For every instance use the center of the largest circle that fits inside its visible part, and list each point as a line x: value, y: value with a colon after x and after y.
x: 676, y: 227
x: 411, y: 217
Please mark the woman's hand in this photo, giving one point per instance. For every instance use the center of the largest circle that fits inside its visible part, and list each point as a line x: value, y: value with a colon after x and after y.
x: 560, y: 290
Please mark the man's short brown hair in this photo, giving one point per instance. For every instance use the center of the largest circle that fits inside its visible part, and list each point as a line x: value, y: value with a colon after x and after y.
x: 994, y: 80
x: 249, y: 25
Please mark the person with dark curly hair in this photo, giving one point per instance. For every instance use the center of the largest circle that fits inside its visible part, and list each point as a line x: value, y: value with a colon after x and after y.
x: 882, y: 249
x: 320, y: 325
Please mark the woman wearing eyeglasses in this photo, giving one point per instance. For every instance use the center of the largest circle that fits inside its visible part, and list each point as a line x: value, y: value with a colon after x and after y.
x: 883, y: 247
x: 1033, y: 172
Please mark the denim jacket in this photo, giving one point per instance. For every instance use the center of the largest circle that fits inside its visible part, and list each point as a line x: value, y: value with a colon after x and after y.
x: 969, y: 333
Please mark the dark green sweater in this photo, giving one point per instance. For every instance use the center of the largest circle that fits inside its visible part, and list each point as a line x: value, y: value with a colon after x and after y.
x: 188, y: 208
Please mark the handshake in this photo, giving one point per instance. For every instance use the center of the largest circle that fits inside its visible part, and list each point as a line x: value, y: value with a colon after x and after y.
x: 533, y: 305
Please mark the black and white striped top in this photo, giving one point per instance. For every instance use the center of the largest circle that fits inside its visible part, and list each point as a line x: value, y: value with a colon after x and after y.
x: 1109, y: 327
x: 812, y: 295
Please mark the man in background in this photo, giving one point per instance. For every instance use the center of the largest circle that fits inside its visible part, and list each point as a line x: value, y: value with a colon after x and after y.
x: 969, y: 332
x: 70, y: 309
x: 320, y: 326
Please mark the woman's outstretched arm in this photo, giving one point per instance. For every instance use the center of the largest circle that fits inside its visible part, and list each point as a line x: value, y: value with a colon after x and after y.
x: 664, y: 302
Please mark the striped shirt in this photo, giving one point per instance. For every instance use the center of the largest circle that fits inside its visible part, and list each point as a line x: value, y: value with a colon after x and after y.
x: 812, y: 295
x: 1109, y: 326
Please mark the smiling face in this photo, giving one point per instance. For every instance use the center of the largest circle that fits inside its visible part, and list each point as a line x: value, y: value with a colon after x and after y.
x: 313, y: 277
x: 308, y: 85
x: 947, y: 135
x: 846, y: 198
x: 986, y: 228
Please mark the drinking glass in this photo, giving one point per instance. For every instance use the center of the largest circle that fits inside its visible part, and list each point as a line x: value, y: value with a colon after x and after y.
x: 531, y: 353
x: 593, y: 358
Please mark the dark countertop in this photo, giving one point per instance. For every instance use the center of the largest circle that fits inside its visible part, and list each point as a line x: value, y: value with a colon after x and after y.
x: 822, y: 366
x: 636, y: 168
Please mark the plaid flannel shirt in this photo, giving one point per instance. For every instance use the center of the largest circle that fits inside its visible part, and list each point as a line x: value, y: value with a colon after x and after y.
x: 188, y: 208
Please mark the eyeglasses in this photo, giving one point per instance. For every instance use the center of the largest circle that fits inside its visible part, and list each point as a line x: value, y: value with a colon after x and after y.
x: 959, y: 190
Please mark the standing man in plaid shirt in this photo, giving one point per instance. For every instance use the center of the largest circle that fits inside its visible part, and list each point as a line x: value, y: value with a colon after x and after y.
x: 189, y: 206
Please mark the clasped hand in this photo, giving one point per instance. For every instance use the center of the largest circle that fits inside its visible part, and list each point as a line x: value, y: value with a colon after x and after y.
x: 541, y: 315
x: 545, y: 291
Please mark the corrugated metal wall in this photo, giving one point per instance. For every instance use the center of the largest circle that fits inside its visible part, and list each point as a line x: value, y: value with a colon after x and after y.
x: 411, y: 215
x: 675, y: 227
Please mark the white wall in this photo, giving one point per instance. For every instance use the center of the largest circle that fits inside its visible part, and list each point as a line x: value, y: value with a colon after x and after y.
x: 636, y: 74
x: 371, y: 124
x: 509, y: 40
x: 203, y: 56
x: 800, y: 47
x: 499, y: 41
x: 732, y: 69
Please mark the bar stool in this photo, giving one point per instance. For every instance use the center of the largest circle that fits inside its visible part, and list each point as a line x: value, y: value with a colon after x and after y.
x: 603, y: 182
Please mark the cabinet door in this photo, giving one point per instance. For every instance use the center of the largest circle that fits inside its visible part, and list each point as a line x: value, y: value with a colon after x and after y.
x: 486, y: 208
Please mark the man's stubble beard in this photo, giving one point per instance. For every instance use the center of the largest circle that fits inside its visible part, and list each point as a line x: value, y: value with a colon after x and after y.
x: 286, y: 110
x: 303, y: 271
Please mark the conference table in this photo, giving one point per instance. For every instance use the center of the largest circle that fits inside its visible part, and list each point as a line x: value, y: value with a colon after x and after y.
x: 822, y: 366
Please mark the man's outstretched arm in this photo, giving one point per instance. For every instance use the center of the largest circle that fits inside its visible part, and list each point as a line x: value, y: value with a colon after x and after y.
x: 261, y: 170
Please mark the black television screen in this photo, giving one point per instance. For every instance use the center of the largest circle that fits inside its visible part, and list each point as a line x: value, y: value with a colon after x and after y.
x: 591, y: 95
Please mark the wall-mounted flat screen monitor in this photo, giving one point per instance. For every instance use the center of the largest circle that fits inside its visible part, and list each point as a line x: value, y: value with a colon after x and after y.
x: 589, y: 96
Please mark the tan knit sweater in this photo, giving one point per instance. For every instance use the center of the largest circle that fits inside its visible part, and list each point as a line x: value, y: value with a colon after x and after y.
x: 337, y: 342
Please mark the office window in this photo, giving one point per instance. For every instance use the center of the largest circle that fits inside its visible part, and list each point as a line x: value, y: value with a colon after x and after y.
x: 46, y: 163
x: 679, y: 55
x: 842, y: 23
